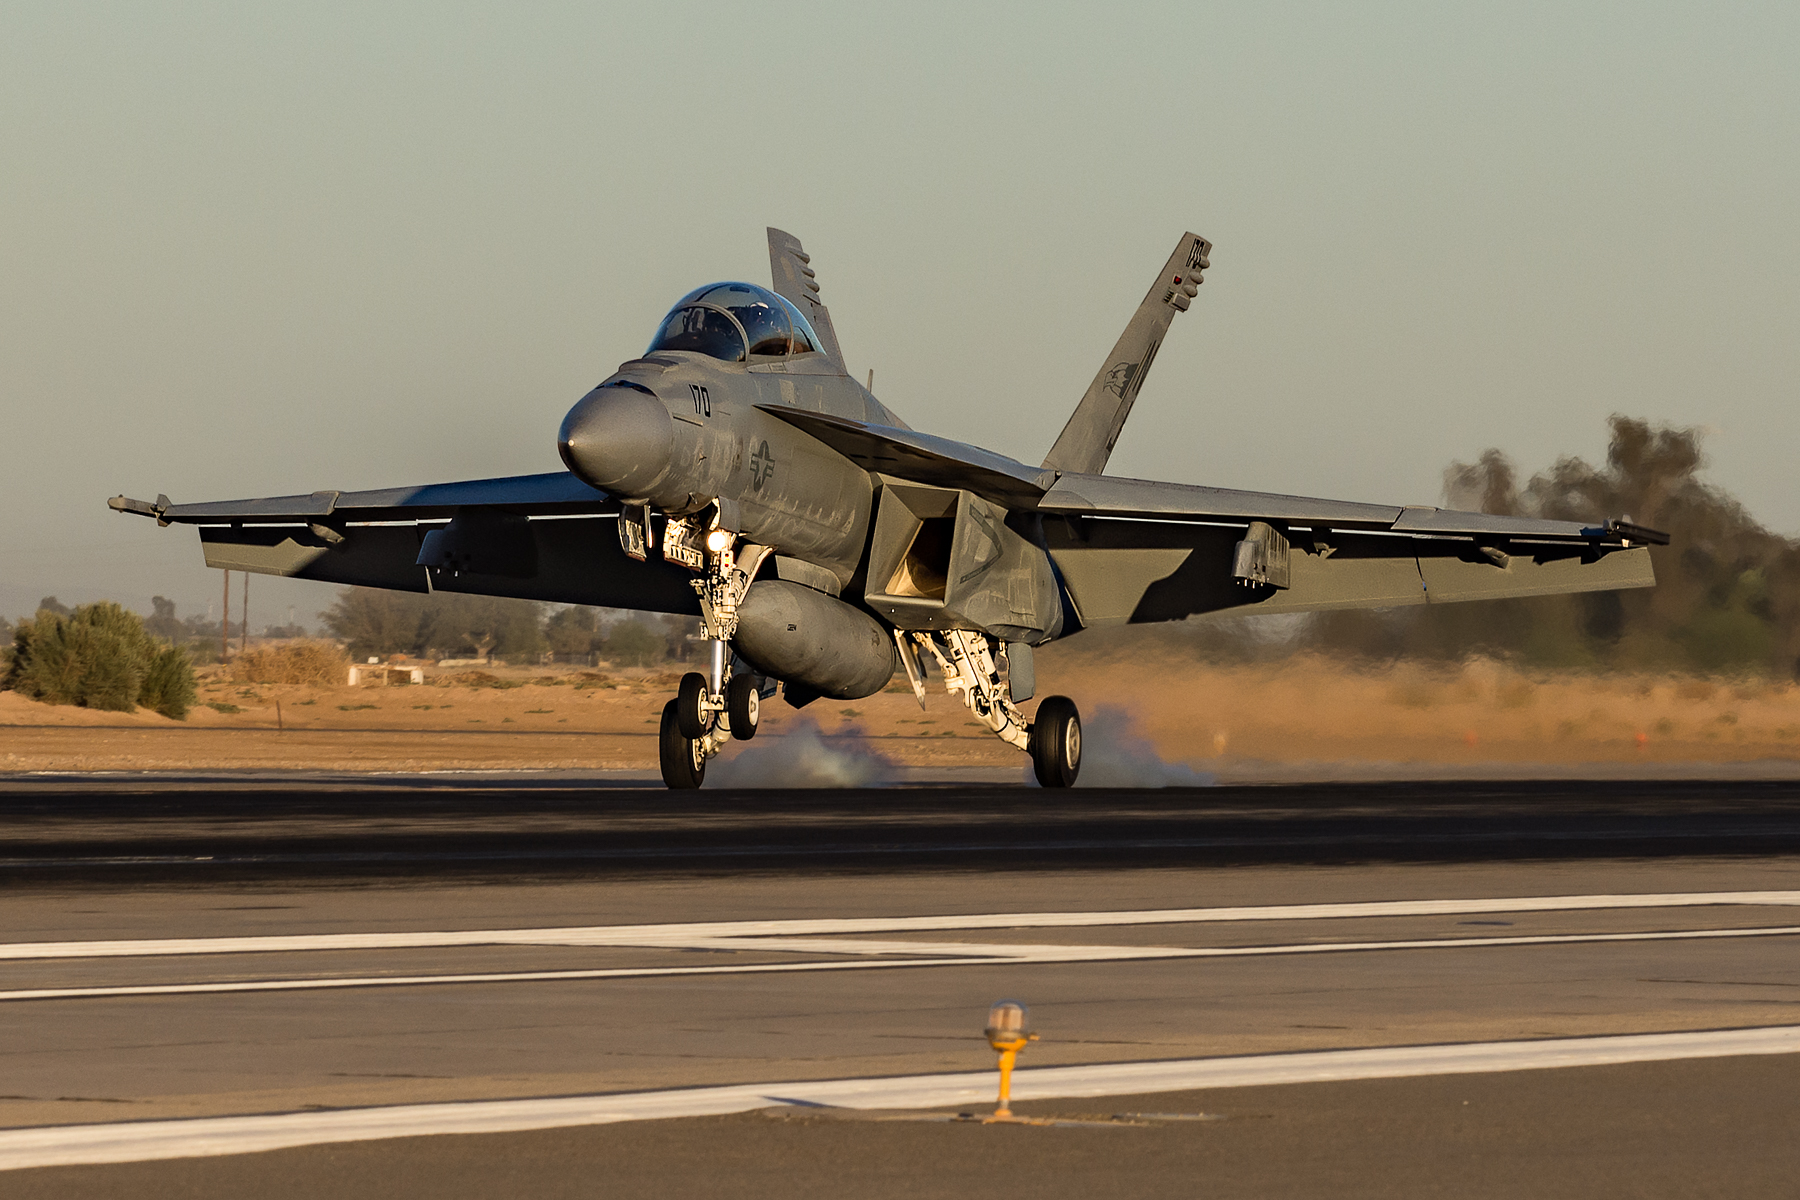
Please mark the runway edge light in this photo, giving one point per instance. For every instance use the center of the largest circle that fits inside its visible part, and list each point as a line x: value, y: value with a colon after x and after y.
x: 1008, y: 1031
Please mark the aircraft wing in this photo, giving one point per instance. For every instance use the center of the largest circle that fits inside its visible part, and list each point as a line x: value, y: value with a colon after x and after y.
x: 541, y: 537
x: 555, y: 492
x: 1132, y: 550
x: 1112, y: 496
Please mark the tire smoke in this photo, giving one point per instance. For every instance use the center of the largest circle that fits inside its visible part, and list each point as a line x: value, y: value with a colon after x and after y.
x: 1114, y: 754
x: 801, y: 757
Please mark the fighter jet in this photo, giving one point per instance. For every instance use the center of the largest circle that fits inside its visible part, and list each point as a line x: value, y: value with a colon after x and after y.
x: 737, y: 472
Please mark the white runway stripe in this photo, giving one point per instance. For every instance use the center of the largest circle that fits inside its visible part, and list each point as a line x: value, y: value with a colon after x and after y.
x: 683, y: 935
x: 138, y: 1141
x: 950, y: 954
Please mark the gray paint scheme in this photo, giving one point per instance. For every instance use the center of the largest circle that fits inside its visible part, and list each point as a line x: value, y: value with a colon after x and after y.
x: 789, y: 452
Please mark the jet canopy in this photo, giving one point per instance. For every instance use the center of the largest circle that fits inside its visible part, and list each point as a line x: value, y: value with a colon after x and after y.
x: 735, y: 322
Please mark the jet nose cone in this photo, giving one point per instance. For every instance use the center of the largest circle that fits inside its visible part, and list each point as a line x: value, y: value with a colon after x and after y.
x: 619, y: 439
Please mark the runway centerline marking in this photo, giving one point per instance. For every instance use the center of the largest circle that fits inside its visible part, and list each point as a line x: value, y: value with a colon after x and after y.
x: 949, y: 954
x: 749, y: 933
x: 142, y: 1141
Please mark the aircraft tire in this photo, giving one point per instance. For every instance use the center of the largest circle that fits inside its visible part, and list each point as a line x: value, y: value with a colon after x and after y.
x: 743, y: 705
x: 690, y: 714
x: 683, y: 765
x: 1056, y: 742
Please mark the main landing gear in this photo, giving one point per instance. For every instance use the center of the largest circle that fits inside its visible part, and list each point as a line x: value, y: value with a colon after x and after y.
x: 1056, y: 742
x: 970, y: 665
x: 710, y: 708
x: 719, y: 704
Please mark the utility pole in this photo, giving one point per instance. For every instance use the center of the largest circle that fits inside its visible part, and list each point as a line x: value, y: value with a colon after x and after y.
x: 225, y: 622
x: 244, y: 639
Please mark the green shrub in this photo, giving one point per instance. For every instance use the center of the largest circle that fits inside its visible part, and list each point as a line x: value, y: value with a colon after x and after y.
x: 98, y: 656
x: 169, y: 683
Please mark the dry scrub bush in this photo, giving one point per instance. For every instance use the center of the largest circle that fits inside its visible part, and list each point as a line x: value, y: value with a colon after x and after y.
x: 317, y: 663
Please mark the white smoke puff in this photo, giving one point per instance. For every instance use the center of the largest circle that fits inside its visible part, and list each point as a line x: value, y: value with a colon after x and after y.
x: 1115, y: 754
x: 802, y: 757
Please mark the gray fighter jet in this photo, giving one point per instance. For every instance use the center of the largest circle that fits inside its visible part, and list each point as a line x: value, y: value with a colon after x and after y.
x: 735, y: 471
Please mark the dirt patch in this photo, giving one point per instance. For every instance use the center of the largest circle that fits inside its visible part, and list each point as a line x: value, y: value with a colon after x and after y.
x: 1308, y: 709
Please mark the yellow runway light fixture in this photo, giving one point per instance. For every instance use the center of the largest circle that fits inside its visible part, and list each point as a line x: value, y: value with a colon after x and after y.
x: 1008, y: 1032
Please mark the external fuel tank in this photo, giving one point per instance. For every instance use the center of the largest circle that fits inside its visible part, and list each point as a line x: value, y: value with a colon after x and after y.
x: 802, y: 636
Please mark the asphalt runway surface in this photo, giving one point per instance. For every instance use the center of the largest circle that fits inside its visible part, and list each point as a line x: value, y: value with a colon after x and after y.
x: 477, y: 987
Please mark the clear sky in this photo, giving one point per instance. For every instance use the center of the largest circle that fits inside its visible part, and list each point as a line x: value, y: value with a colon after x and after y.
x: 272, y: 248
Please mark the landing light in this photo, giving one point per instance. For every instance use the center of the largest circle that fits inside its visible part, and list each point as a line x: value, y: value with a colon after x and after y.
x: 719, y: 540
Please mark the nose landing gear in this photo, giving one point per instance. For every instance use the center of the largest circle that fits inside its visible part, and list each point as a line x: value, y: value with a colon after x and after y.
x: 710, y: 708
x: 743, y: 706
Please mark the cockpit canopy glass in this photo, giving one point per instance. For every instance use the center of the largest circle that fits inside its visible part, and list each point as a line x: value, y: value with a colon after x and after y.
x: 704, y: 330
x: 731, y: 321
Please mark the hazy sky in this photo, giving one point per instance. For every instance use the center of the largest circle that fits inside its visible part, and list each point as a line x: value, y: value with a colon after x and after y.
x: 262, y: 249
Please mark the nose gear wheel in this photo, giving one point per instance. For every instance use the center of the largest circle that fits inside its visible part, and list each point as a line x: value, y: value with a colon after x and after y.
x: 691, y: 715
x: 743, y: 706
x: 682, y: 759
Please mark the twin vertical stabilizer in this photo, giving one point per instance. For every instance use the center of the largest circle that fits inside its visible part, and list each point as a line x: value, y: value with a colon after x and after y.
x: 1087, y: 440
x: 796, y: 283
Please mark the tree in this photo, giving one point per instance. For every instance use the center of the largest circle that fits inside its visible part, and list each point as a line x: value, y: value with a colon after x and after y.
x: 98, y: 656
x: 441, y: 624
x: 52, y: 604
x: 573, y: 630
x: 163, y: 624
x: 1727, y: 594
x: 635, y: 644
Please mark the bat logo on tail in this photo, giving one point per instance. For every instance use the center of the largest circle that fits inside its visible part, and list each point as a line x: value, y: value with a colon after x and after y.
x: 1125, y: 378
x: 1118, y: 380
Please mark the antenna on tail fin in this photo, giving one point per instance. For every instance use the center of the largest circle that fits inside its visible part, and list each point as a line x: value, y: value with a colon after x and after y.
x: 796, y: 283
x: 1087, y: 440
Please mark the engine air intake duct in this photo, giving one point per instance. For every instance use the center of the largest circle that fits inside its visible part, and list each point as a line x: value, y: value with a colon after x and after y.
x: 798, y: 635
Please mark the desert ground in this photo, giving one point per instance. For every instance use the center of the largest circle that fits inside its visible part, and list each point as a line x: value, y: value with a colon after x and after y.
x: 1308, y: 709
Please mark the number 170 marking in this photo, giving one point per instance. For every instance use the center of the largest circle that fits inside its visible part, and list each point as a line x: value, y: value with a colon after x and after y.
x: 702, y: 399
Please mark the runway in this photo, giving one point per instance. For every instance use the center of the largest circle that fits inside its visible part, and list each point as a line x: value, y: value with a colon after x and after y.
x: 1278, y: 947
x: 257, y: 826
